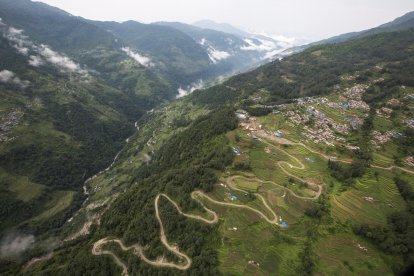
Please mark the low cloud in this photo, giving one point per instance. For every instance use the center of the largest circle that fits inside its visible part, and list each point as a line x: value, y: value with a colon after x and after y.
x: 147, y: 158
x: 59, y: 60
x: 189, y: 89
x: 42, y: 53
x: 283, y: 41
x: 13, y: 245
x: 36, y: 61
x: 7, y: 76
x: 258, y: 45
x: 145, y: 61
x: 17, y: 39
x: 15, y: 31
x: 216, y: 55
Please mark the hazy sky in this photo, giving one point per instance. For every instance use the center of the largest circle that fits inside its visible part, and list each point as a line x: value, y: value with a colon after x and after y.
x: 313, y: 19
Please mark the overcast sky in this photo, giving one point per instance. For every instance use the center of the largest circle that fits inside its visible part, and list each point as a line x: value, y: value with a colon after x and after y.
x: 313, y: 19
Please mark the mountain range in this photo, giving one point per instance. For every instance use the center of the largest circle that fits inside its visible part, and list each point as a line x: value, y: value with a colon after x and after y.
x: 115, y: 160
x: 402, y: 23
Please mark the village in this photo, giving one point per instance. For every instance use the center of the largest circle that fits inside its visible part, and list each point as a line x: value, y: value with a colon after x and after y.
x: 8, y: 122
x: 319, y: 128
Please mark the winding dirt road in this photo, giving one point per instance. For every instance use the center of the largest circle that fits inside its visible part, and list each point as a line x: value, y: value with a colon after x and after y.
x: 333, y: 158
x: 231, y: 185
x: 186, y: 260
x: 274, y: 220
x: 139, y: 251
x: 300, y: 166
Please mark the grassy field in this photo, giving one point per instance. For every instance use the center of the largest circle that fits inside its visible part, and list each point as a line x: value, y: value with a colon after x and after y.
x: 370, y: 201
x: 289, y: 207
x: 382, y: 160
x: 275, y: 122
x: 344, y: 254
x: 247, y: 185
x: 59, y: 202
x: 24, y: 189
x: 257, y: 241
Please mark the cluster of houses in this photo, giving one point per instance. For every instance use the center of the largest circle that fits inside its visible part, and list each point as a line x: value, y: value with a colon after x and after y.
x: 384, y: 112
x: 283, y: 223
x: 353, y: 104
x: 320, y: 135
x: 354, y: 95
x: 363, y: 248
x: 324, y: 127
x: 409, y: 161
x: 7, y: 123
x: 312, y: 100
x: 236, y: 150
x: 355, y: 92
x: 351, y: 147
x: 242, y: 115
x: 251, y: 262
x: 351, y: 99
x: 394, y: 102
x: 256, y: 99
x: 325, y: 130
x: 278, y: 133
x: 410, y: 123
x: 383, y: 138
x: 409, y: 97
x: 297, y: 118
x: 349, y: 77
x: 231, y: 196
x: 354, y: 121
x: 346, y: 105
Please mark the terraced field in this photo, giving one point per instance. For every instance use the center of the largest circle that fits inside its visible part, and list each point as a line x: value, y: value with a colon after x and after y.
x: 373, y: 197
x: 370, y: 201
x: 346, y: 254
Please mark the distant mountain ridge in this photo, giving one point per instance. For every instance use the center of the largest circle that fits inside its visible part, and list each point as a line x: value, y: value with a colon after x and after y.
x: 401, y: 23
x: 222, y: 27
x: 260, y: 41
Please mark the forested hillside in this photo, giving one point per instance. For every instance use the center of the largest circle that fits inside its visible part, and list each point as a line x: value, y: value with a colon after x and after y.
x: 318, y: 69
x: 303, y: 166
x: 314, y: 177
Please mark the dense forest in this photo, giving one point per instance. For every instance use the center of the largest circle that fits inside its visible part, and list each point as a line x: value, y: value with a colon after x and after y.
x: 188, y: 161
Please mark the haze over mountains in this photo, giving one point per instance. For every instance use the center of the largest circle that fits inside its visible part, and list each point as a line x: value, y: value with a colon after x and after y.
x: 170, y: 148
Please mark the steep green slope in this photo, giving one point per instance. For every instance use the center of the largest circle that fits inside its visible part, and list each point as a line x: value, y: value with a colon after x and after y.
x: 228, y: 52
x: 88, y: 45
x: 317, y: 70
x: 57, y: 129
x: 302, y: 213
x: 62, y: 121
x: 55, y: 27
x: 174, y: 53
